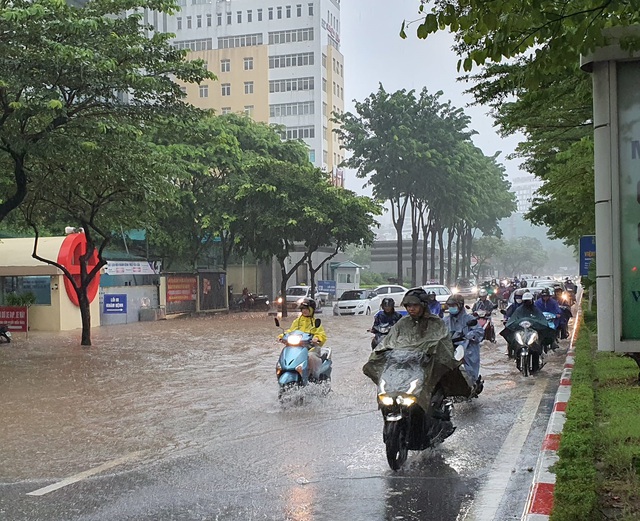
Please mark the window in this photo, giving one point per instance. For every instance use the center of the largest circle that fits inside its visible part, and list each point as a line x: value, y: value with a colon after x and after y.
x: 312, y: 155
x: 204, y: 44
x: 291, y: 109
x: 248, y: 87
x: 199, y: 21
x: 341, y: 70
x: 279, y: 13
x: 226, y: 110
x: 228, y: 18
x: 209, y: 20
x: 291, y: 60
x: 307, y: 132
x: 179, y: 21
x: 270, y: 13
x: 324, y: 133
x: 299, y: 10
x: 295, y: 35
x: 249, y: 16
x: 242, y: 40
x: 259, y: 15
x: 248, y: 110
x: 311, y: 9
x: 219, y: 18
x: 225, y: 65
x: 334, y: 64
x: 324, y: 108
x: 188, y: 22
x: 291, y: 84
x: 226, y: 89
x: 40, y: 286
x: 239, y: 16
x: 324, y: 84
x: 288, y: 8
x: 324, y: 60
x: 183, y: 89
x: 204, y: 91
x: 248, y: 64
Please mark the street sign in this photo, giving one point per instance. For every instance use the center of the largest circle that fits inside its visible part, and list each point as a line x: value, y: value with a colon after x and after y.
x: 327, y: 286
x: 587, y: 253
x: 115, y: 304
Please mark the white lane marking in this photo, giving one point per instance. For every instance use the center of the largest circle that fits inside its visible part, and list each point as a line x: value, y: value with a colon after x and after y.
x: 87, y: 473
x: 490, y: 494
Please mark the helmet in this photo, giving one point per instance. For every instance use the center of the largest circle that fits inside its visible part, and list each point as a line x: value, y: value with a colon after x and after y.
x: 455, y: 300
x: 482, y: 293
x: 388, y: 302
x: 517, y: 295
x: 528, y: 296
x: 307, y: 303
x: 431, y: 295
x: 557, y: 289
x: 415, y: 296
x: 545, y: 292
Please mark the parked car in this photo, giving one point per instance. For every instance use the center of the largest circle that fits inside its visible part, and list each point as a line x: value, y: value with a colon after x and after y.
x: 357, y: 302
x: 442, y: 292
x: 295, y: 294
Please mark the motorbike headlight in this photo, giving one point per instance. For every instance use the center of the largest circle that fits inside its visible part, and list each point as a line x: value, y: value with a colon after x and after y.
x: 519, y: 337
x: 279, y: 300
x: 406, y: 400
x: 385, y: 399
x: 294, y: 340
x: 533, y: 338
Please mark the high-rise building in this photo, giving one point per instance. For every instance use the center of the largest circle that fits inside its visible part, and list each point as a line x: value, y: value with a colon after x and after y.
x: 277, y: 60
x: 525, y: 189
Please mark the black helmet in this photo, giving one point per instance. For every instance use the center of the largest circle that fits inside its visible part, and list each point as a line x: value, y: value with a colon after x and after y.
x: 545, y: 292
x: 415, y: 296
x: 388, y: 302
x: 431, y: 295
x: 307, y: 302
x: 455, y: 300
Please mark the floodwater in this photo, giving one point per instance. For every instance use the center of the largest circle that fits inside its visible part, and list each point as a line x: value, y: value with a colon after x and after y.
x: 200, y: 394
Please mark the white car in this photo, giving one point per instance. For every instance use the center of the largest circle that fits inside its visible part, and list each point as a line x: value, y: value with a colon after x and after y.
x: 357, y: 302
x: 395, y: 291
x: 442, y: 292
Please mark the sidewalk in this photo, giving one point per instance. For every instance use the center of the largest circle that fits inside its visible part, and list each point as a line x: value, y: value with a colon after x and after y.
x: 540, y: 500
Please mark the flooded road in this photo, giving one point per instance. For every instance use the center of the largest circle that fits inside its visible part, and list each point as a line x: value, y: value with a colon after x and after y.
x: 183, y: 415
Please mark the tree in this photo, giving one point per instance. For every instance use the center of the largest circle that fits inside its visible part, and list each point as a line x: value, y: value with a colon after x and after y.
x: 99, y: 182
x: 485, y: 249
x: 521, y: 255
x: 64, y: 66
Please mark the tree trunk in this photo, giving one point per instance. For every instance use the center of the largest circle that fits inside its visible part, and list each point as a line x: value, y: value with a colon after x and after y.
x: 457, y: 256
x: 12, y: 202
x: 432, y: 263
x: 450, y: 236
x: 398, y: 210
x: 441, y: 246
x: 85, y: 315
x: 425, y: 253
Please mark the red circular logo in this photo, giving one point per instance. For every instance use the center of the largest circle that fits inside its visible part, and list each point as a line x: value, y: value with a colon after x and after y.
x: 73, y: 247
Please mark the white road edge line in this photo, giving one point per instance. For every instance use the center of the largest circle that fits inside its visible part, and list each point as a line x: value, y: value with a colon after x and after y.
x: 490, y: 494
x: 87, y: 473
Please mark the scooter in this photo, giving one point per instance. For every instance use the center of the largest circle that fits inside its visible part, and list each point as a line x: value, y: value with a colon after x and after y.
x: 409, y: 423
x: 484, y: 319
x: 252, y: 302
x: 292, y: 368
x: 5, y: 334
x: 379, y: 332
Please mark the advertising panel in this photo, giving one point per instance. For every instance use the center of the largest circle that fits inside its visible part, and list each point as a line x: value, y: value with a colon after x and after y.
x: 15, y: 317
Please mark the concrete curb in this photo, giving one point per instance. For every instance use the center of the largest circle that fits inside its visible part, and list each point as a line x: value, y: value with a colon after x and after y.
x: 540, y: 500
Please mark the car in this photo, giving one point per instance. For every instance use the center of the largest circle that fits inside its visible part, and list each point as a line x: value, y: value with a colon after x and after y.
x: 442, y: 292
x: 295, y: 294
x: 465, y: 287
x: 395, y: 291
x: 357, y: 302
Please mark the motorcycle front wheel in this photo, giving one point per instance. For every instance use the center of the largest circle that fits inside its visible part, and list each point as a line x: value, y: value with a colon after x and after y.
x: 524, y: 360
x: 395, y: 440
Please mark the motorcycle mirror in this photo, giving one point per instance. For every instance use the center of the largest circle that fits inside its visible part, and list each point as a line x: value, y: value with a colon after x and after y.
x: 276, y: 321
x: 318, y: 322
x: 504, y: 312
x: 472, y: 323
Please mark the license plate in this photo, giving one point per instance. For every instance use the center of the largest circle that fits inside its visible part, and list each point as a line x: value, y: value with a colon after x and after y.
x: 393, y: 417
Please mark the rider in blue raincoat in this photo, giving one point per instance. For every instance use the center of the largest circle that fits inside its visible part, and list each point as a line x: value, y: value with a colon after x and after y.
x: 466, y: 332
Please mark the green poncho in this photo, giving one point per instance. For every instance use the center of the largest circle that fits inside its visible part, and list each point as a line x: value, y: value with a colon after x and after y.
x: 428, y: 341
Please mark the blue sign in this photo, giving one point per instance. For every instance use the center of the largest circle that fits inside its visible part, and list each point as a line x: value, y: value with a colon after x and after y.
x: 114, y: 304
x: 587, y: 253
x: 327, y: 286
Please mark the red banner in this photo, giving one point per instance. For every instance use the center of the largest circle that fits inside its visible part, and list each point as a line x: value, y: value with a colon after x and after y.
x: 15, y: 317
x: 181, y: 288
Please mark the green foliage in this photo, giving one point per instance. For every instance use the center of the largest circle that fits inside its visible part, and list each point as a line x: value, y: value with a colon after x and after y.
x: 27, y: 299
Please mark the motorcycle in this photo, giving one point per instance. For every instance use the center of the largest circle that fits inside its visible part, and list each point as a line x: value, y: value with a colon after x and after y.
x: 564, y: 321
x: 5, y: 334
x: 252, y: 302
x: 379, y: 332
x: 528, y: 349
x: 484, y: 319
x: 409, y: 422
x: 292, y: 368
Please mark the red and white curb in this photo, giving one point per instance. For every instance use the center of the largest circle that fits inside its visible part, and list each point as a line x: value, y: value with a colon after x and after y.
x: 540, y: 500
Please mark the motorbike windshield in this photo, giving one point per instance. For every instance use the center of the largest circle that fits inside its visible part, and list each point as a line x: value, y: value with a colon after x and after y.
x: 403, y: 371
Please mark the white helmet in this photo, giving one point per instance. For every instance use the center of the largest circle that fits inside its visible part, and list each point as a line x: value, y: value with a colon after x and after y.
x: 482, y: 293
x: 527, y: 296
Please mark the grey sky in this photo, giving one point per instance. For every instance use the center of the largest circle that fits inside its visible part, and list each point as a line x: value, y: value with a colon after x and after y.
x: 374, y: 53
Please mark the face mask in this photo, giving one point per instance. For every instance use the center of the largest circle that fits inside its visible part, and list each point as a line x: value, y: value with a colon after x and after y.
x: 453, y: 311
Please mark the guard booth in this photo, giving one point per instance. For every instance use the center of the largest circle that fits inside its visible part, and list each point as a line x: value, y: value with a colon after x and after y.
x: 56, y: 304
x: 347, y: 276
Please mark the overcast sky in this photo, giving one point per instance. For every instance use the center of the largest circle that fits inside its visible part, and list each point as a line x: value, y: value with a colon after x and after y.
x: 374, y: 53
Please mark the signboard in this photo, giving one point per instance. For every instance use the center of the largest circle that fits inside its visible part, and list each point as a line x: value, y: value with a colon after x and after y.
x: 180, y: 289
x: 629, y: 182
x: 132, y: 268
x: 15, y: 317
x: 327, y: 286
x: 114, y: 304
x: 587, y: 253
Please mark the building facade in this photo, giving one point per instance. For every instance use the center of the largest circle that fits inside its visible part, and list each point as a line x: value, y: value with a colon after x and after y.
x: 278, y: 61
x: 525, y: 189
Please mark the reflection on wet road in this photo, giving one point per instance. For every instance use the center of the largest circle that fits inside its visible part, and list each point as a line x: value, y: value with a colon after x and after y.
x: 197, y: 398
